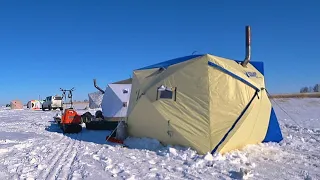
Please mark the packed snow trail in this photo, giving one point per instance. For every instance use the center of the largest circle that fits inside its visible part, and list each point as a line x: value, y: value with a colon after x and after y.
x: 33, y: 147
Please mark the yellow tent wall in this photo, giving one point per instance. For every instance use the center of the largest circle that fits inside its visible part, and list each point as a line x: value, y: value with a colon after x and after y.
x: 215, y: 107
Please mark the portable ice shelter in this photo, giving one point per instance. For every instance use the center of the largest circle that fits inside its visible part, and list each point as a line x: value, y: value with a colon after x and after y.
x: 115, y: 100
x: 16, y: 104
x: 206, y: 102
x: 34, y: 105
x: 95, y: 99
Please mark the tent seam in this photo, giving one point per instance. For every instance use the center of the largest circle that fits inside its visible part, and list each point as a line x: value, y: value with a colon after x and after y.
x: 256, y: 118
x: 209, y: 129
x: 233, y: 75
x: 235, y: 123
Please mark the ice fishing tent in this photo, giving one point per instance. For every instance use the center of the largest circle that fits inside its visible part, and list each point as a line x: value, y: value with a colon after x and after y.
x: 206, y: 102
x: 115, y: 100
x: 34, y: 105
x: 16, y: 104
x: 95, y: 99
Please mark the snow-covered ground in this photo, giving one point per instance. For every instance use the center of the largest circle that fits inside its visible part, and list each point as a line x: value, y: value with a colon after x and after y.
x: 33, y: 147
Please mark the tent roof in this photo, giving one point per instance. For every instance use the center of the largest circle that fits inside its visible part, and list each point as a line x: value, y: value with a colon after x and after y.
x: 125, y: 81
x: 165, y: 64
x: 168, y: 63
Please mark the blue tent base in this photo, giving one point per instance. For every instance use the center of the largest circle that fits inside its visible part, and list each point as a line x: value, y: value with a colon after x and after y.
x: 274, y: 132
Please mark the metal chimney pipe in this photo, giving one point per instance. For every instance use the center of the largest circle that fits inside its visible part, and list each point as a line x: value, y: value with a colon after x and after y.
x: 96, y: 86
x: 248, y: 47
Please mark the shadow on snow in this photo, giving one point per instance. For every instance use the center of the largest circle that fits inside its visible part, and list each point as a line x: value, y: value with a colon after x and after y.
x: 99, y: 137
x: 94, y: 136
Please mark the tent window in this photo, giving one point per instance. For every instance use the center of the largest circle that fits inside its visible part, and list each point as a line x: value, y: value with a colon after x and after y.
x: 124, y: 104
x: 166, y: 93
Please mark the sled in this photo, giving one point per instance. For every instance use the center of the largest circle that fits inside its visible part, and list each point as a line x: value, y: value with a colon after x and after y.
x: 71, y: 128
x: 97, y: 122
x: 114, y: 140
x: 101, y: 125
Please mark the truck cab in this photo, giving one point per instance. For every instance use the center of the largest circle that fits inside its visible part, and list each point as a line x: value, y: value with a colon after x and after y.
x: 52, y: 102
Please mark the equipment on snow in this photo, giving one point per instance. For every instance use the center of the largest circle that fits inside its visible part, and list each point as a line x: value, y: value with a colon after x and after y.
x: 118, y: 135
x: 114, y: 140
x: 97, y: 122
x: 70, y: 120
x: 113, y: 137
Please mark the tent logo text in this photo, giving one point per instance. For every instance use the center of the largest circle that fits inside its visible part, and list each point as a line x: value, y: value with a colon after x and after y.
x: 251, y: 74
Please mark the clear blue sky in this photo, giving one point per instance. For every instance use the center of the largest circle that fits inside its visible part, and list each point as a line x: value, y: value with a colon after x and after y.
x: 45, y: 45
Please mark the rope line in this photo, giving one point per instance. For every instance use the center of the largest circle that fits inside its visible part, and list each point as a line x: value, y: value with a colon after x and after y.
x: 283, y: 110
x: 311, y: 135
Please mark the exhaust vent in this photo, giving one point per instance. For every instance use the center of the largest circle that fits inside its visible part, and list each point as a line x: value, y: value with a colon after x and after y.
x: 248, y: 47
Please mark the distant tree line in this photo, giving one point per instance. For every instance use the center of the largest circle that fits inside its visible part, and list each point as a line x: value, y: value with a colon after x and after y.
x: 315, y: 88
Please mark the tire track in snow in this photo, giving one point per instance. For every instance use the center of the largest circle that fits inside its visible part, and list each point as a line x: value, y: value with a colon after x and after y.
x: 50, y: 157
x: 66, y: 170
x: 56, y: 159
x: 32, y: 156
x: 79, y: 171
x: 24, y: 159
x: 65, y: 162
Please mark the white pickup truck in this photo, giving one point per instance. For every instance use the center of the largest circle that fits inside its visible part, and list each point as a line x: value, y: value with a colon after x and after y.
x: 52, y: 102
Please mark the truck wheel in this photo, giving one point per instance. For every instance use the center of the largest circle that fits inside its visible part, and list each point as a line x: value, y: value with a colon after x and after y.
x: 43, y: 109
x: 49, y: 107
x: 61, y: 108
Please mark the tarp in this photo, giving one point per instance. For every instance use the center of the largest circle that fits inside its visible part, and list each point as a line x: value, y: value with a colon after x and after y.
x: 95, y: 99
x: 206, y: 102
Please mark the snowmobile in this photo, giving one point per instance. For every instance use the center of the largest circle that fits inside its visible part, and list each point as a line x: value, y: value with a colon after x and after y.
x: 70, y: 120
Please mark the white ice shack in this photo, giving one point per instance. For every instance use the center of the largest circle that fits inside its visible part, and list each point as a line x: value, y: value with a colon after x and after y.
x: 115, y: 101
